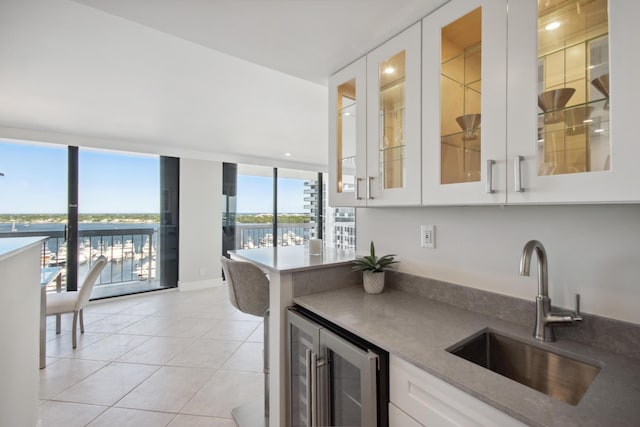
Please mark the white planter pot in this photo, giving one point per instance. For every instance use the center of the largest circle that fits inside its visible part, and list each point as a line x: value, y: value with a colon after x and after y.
x: 373, y: 282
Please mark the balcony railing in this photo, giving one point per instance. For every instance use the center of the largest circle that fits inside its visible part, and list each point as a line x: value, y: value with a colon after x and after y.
x: 131, y: 252
x: 250, y: 236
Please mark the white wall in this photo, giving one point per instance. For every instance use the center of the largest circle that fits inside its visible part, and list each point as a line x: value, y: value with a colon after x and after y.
x: 200, y: 223
x: 593, y: 250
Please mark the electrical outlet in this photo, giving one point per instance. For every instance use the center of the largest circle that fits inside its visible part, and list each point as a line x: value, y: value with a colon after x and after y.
x: 428, y: 236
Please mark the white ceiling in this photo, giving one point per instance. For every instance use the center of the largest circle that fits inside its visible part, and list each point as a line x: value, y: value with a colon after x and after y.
x: 310, y: 39
x: 234, y: 80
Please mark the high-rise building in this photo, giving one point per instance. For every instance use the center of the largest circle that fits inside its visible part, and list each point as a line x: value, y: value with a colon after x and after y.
x: 339, y: 224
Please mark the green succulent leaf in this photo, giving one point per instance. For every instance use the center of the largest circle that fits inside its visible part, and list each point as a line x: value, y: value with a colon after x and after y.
x: 372, y: 262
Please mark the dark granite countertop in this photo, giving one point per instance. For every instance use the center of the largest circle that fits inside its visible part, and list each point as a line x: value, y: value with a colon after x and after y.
x: 419, y: 330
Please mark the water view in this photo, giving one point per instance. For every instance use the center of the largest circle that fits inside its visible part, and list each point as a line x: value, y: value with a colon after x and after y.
x: 130, y: 244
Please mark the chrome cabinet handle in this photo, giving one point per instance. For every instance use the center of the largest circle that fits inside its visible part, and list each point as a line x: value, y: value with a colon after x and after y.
x: 489, y: 184
x: 369, y: 185
x: 358, y: 188
x: 309, y: 368
x: 314, y: 390
x: 517, y: 171
x: 371, y: 389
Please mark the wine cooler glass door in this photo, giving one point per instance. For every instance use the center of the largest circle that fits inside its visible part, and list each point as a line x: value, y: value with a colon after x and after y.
x: 347, y: 383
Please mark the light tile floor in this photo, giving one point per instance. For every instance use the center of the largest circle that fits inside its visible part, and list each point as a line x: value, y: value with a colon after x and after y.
x: 172, y: 358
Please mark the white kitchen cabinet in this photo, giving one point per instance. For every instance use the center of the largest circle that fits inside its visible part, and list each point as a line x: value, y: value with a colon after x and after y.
x: 464, y: 73
x: 583, y: 149
x: 481, y: 134
x: 348, y: 135
x: 433, y: 402
x: 399, y: 418
x: 393, y: 121
x: 374, y: 154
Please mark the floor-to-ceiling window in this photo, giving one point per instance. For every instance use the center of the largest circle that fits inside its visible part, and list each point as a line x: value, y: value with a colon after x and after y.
x: 33, y: 195
x: 91, y: 203
x: 118, y: 212
x: 281, y: 207
x: 255, y: 207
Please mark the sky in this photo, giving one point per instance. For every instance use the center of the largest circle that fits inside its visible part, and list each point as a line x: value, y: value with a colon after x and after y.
x: 255, y: 195
x: 35, y: 181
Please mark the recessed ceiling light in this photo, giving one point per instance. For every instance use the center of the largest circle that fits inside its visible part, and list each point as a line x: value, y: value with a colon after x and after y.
x: 552, y: 25
x: 588, y: 121
x: 541, y: 140
x: 287, y: 154
x: 389, y: 70
x: 599, y: 130
x: 346, y: 113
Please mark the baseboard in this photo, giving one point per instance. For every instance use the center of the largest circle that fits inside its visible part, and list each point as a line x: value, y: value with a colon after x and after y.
x: 200, y: 284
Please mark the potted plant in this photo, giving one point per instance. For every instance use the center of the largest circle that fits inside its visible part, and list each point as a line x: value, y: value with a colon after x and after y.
x: 373, y: 269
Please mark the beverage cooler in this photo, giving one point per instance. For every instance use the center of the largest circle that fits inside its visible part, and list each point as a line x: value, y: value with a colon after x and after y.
x: 335, y: 377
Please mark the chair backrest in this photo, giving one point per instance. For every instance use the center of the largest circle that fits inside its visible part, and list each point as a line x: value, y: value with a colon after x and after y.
x: 87, y: 286
x: 248, y: 286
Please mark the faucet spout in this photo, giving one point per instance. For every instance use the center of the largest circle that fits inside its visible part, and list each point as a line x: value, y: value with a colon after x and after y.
x: 525, y: 263
x: 545, y: 319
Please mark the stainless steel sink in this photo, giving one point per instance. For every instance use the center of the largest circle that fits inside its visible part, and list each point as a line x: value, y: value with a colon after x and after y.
x: 558, y: 376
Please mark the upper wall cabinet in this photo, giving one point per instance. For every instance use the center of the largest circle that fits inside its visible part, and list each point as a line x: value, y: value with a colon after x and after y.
x: 374, y: 126
x: 571, y: 90
x: 463, y: 103
x: 530, y: 103
x: 348, y: 136
x: 393, y: 121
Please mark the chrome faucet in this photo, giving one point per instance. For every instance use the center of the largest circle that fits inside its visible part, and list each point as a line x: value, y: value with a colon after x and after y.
x: 545, y: 319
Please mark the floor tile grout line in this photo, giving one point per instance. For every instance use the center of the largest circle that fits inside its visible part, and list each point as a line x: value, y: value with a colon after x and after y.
x: 217, y: 300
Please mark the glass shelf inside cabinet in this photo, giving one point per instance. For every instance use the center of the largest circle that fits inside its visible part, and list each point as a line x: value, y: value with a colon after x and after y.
x: 464, y: 68
x: 348, y: 109
x: 460, y: 140
x: 393, y: 166
x: 349, y: 165
x: 577, y: 118
x: 574, y: 139
x: 397, y: 149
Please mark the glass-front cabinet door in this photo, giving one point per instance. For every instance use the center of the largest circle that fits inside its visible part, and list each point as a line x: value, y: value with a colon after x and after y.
x: 571, y: 85
x: 393, y: 121
x: 463, y: 103
x: 347, y: 135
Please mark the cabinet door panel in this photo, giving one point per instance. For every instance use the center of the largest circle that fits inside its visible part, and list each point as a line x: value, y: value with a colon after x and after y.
x: 393, y: 121
x: 463, y: 103
x: 577, y: 146
x: 433, y: 402
x: 398, y: 418
x: 347, y: 136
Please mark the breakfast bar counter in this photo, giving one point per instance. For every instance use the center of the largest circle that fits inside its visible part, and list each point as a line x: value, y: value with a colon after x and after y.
x: 293, y: 272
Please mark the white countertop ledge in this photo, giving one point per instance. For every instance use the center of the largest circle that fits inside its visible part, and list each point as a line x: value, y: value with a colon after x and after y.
x: 10, y: 246
x: 292, y: 258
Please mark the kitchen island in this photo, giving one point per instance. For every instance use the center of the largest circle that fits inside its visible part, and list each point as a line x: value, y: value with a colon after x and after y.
x: 20, y: 317
x: 293, y: 272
